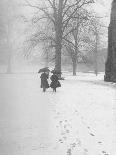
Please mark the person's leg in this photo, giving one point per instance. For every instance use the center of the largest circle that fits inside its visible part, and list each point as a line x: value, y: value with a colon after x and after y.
x: 44, y: 89
x: 41, y: 83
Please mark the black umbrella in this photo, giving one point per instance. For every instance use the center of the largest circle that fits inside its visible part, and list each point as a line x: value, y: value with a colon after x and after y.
x: 45, y: 69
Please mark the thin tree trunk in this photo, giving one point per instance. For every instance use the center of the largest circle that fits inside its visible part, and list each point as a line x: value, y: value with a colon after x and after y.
x: 95, y: 63
x: 74, y: 67
x: 96, y: 57
x: 74, y: 58
x: 75, y: 54
x: 9, y: 67
x: 9, y: 64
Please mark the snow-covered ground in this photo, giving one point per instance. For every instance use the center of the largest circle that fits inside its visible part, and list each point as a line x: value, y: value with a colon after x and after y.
x: 79, y: 119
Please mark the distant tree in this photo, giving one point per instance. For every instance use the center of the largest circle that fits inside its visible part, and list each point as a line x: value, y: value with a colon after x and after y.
x: 75, y: 37
x: 86, y: 39
x: 6, y: 18
x: 95, y: 30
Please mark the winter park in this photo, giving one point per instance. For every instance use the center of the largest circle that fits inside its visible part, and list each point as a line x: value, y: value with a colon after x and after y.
x: 58, y: 77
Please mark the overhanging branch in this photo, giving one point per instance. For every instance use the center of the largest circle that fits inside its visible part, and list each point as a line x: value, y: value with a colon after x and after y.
x: 44, y: 10
x: 65, y: 22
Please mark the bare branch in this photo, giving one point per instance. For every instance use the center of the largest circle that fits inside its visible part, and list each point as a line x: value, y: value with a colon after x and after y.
x: 70, y: 6
x: 65, y: 22
x: 35, y: 20
x: 41, y: 9
x: 51, y: 3
x: 73, y: 29
x: 65, y: 3
x: 68, y: 41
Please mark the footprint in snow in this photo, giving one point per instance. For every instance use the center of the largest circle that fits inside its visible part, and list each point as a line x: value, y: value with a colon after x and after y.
x: 92, y: 134
x: 73, y: 145
x: 100, y: 142
x: 67, y: 131
x: 69, y: 152
x: 60, y: 122
x: 60, y: 140
x: 105, y: 153
x: 78, y: 142
x: 64, y: 137
x: 76, y: 112
x: 85, y: 151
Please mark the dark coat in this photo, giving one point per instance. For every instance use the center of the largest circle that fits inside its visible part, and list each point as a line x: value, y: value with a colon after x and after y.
x: 44, y: 81
x: 55, y: 83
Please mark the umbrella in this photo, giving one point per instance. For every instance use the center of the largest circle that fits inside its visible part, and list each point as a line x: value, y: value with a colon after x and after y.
x: 45, y: 69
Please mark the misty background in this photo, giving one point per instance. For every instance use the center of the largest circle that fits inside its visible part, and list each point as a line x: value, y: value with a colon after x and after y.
x: 17, y: 26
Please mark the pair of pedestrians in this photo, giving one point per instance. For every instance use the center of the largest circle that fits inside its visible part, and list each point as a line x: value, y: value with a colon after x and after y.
x: 54, y: 81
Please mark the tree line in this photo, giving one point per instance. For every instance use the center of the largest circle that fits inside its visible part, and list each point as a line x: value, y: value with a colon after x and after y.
x: 69, y: 27
x: 62, y: 27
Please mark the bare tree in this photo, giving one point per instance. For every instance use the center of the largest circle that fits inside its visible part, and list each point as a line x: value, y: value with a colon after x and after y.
x: 95, y: 29
x: 75, y: 37
x: 60, y: 14
x: 85, y: 39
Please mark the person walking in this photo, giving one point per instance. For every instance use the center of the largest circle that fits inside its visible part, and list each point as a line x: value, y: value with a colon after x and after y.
x: 44, y: 81
x: 54, y: 82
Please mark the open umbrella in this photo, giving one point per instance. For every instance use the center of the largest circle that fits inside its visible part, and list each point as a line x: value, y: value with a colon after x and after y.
x: 45, y: 69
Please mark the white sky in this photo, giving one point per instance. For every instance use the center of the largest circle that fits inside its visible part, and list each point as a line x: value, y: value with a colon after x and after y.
x: 103, y: 8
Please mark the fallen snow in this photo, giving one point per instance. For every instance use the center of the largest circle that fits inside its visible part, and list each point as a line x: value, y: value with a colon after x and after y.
x: 79, y: 119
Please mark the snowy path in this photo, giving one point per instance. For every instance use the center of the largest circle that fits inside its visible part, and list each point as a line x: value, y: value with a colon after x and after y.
x: 79, y: 119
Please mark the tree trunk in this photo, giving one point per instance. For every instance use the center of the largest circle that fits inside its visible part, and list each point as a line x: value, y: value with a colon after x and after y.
x: 58, y: 36
x: 96, y: 55
x: 110, y: 66
x: 9, y: 67
x: 74, y: 66
x: 95, y: 63
x: 9, y: 48
x: 75, y: 52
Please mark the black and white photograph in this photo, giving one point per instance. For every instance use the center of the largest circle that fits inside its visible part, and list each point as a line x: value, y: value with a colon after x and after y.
x: 57, y: 77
